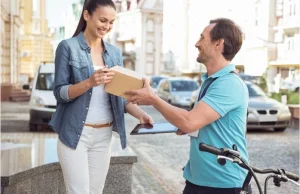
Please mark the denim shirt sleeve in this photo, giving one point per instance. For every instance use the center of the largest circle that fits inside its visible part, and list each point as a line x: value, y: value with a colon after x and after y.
x: 62, y: 73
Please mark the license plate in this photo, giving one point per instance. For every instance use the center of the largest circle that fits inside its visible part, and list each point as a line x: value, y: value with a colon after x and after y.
x: 264, y: 118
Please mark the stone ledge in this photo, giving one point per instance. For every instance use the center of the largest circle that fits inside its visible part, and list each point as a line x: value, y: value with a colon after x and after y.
x: 48, y: 178
x: 295, y: 115
x: 22, y: 176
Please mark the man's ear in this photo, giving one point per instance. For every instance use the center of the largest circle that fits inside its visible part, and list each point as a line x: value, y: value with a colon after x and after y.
x: 220, y: 43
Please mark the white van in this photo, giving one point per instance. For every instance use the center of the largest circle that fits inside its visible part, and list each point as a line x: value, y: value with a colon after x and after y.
x: 42, y: 101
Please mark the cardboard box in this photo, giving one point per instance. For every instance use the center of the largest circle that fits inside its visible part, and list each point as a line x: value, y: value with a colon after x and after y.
x: 124, y: 80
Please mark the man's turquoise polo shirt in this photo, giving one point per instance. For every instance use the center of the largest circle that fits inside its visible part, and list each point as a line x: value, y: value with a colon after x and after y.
x: 228, y: 96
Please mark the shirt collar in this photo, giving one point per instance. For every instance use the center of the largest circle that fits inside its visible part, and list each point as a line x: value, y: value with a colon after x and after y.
x: 84, y: 45
x: 225, y: 70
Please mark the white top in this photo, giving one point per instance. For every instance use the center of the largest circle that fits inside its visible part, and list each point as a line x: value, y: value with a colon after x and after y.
x: 99, y: 111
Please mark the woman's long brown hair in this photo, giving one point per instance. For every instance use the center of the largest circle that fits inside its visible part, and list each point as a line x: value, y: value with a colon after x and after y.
x: 90, y: 6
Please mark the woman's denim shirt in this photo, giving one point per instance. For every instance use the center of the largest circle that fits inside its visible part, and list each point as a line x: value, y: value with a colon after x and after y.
x: 73, y: 64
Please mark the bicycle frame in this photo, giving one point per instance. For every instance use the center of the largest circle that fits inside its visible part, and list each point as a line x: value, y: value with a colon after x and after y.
x: 233, y: 155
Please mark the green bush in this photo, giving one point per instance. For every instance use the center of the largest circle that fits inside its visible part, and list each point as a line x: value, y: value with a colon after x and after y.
x: 263, y: 83
x: 292, y: 97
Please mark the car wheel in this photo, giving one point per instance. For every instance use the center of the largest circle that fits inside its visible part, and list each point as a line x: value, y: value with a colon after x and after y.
x: 33, y: 127
x: 279, y: 129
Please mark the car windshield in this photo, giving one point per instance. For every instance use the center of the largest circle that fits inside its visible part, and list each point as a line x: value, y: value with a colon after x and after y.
x: 155, y: 81
x: 45, y: 81
x: 255, y: 91
x: 183, y: 86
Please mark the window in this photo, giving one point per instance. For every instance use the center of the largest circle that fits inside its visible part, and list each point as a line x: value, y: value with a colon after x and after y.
x: 45, y: 81
x: 149, y: 47
x: 291, y: 6
x: 149, y: 67
x: 36, y: 8
x: 155, y: 81
x: 181, y: 85
x: 17, y: 7
x: 166, y: 86
x: 35, y: 26
x: 256, y: 15
x: 160, y: 85
x: 279, y: 7
x: 290, y: 43
x: 150, y: 26
x: 255, y: 91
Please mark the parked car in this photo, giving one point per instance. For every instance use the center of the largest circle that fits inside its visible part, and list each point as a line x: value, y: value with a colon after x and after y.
x: 177, y: 91
x: 194, y: 97
x: 42, y: 101
x: 155, y: 81
x: 250, y: 78
x: 290, y: 85
x: 264, y: 112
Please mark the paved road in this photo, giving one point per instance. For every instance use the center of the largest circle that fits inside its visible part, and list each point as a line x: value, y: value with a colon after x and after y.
x: 167, y: 154
x: 161, y: 157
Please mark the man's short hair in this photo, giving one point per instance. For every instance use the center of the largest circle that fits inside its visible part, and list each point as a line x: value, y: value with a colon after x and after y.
x: 231, y: 33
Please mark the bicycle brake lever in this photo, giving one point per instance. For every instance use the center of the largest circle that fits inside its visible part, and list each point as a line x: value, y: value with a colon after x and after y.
x: 283, y: 176
x: 222, y: 160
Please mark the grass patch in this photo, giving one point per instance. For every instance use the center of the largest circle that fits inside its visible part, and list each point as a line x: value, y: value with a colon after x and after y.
x: 292, y: 97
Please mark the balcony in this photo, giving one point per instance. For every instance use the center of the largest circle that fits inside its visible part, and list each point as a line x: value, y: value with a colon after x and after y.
x: 289, y: 49
x: 288, y: 22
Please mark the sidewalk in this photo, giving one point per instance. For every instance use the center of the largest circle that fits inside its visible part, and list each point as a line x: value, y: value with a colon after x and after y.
x: 14, y: 125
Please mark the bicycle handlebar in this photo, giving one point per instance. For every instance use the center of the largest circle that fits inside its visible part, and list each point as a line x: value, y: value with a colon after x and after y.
x: 218, y: 151
x: 233, y: 153
x: 213, y: 150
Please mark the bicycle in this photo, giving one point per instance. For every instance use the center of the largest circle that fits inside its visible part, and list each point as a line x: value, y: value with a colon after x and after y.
x: 233, y: 155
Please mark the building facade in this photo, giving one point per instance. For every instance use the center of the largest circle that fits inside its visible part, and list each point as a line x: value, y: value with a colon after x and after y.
x: 184, y: 20
x: 36, y: 39
x: 70, y: 19
x: 11, y: 21
x: 258, y: 47
x: 138, y: 32
x: 287, y: 39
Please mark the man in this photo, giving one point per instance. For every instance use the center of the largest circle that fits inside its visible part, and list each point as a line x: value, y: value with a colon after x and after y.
x: 220, y: 116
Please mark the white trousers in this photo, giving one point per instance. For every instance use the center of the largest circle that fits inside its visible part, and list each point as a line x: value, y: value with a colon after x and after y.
x: 85, y: 169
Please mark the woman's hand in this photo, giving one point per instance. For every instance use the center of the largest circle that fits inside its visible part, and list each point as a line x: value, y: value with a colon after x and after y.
x: 101, y: 76
x: 145, y: 118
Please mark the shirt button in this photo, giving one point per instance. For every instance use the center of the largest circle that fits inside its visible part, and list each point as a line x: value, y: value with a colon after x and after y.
x: 82, y: 121
x: 87, y: 108
x: 90, y: 93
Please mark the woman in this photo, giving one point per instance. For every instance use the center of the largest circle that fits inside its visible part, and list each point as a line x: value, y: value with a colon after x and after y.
x: 86, y: 114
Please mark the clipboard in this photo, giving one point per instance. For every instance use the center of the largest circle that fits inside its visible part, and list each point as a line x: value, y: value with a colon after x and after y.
x: 156, y: 128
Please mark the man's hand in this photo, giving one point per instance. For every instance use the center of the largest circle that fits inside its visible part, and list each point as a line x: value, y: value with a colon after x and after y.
x: 145, y: 118
x: 142, y: 96
x: 179, y: 132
